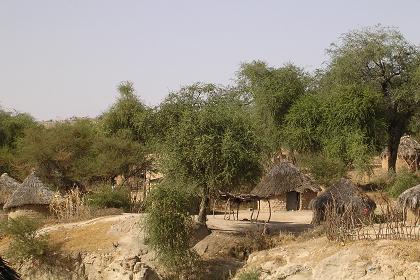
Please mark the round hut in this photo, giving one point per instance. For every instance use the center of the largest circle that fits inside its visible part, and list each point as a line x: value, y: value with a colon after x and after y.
x: 341, y: 194
x: 32, y: 198
x: 408, y: 154
x: 286, y: 188
x: 410, y: 200
x: 8, y: 186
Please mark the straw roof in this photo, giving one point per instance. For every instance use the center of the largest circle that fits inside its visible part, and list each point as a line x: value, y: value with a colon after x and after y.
x: 410, y: 198
x: 7, y: 186
x: 408, y: 148
x: 342, y: 193
x: 31, y: 192
x: 284, y: 177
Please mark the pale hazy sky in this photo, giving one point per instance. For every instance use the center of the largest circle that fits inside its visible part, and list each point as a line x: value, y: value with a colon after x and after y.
x: 65, y: 58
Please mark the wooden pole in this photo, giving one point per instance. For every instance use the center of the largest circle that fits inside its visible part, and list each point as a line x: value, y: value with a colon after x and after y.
x: 258, y: 211
x: 269, y: 211
x: 237, y: 211
x: 214, y: 206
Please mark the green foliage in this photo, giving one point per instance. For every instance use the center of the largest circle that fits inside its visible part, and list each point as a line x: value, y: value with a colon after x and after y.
x: 249, y: 275
x: 79, y: 152
x: 382, y: 60
x: 25, y: 243
x: 128, y: 117
x: 210, y: 141
x: 107, y: 197
x: 343, y: 125
x: 168, y: 224
x: 403, y: 181
x: 363, y: 100
x: 12, y: 127
x: 273, y: 91
x: 324, y: 170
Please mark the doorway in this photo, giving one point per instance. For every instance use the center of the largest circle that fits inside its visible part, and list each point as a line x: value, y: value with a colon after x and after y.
x: 292, y: 201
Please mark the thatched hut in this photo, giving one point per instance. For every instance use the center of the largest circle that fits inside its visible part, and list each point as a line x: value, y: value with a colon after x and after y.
x: 342, y: 193
x: 8, y: 186
x: 409, y: 201
x: 32, y: 198
x: 286, y: 188
x: 408, y: 154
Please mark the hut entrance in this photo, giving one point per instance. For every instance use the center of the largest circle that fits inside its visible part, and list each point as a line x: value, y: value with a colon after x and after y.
x: 292, y: 201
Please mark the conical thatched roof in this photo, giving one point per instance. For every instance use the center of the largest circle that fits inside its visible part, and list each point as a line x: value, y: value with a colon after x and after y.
x: 284, y: 177
x: 410, y: 198
x: 408, y: 148
x: 7, y: 186
x: 31, y: 192
x: 342, y: 193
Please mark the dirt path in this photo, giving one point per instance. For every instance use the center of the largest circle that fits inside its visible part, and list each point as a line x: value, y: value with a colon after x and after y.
x: 285, y: 221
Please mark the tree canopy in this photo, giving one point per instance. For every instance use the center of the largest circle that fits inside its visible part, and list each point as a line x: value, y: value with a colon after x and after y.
x: 210, y: 142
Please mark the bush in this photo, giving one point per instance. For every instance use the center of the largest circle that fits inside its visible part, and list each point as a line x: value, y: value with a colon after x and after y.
x: 25, y: 243
x: 168, y: 225
x: 402, y: 181
x: 324, y: 169
x: 249, y: 275
x: 106, y: 197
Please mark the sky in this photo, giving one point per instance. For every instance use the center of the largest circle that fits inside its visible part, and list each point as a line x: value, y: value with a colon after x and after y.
x: 64, y: 58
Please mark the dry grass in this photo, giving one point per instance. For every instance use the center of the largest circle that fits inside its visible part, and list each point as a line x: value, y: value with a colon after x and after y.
x: 91, y: 238
x: 70, y: 207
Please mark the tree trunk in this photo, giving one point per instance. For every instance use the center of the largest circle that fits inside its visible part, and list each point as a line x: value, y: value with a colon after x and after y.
x: 393, y: 143
x: 204, y: 205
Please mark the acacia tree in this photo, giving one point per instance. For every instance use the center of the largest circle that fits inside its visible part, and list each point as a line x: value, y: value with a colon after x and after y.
x: 210, y: 142
x: 73, y: 152
x: 128, y: 116
x: 382, y: 59
x: 12, y: 127
x: 273, y: 91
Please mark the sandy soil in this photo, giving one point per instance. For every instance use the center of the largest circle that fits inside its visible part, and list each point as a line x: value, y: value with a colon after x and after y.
x: 282, y: 221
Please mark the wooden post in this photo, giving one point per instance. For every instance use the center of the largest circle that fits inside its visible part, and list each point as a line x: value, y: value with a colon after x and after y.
x: 258, y: 210
x: 214, y: 206
x: 269, y: 210
x: 237, y: 211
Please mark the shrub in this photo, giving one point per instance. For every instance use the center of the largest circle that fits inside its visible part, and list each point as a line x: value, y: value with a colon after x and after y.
x: 107, y: 197
x: 402, y: 181
x: 168, y: 225
x: 249, y: 275
x: 25, y: 243
x: 324, y: 169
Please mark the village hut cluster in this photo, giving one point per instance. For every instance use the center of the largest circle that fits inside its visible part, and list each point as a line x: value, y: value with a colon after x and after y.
x: 29, y: 198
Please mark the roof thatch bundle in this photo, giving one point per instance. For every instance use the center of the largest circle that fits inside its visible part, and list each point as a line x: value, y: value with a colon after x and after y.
x: 7, y: 186
x: 284, y: 177
x: 31, y: 192
x: 410, y: 198
x: 341, y: 194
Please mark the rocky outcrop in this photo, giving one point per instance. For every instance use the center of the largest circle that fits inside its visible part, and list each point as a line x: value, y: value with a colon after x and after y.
x: 320, y: 259
x: 106, y: 248
x: 92, y: 266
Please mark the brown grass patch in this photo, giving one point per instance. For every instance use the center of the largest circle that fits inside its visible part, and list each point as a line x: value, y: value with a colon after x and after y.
x: 92, y: 237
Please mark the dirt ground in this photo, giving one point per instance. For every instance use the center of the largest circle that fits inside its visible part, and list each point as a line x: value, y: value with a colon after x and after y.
x: 281, y: 221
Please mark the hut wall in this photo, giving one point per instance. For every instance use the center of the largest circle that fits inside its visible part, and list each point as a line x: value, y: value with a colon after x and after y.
x: 30, y: 211
x: 305, y: 198
x: 412, y: 216
x: 277, y: 203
